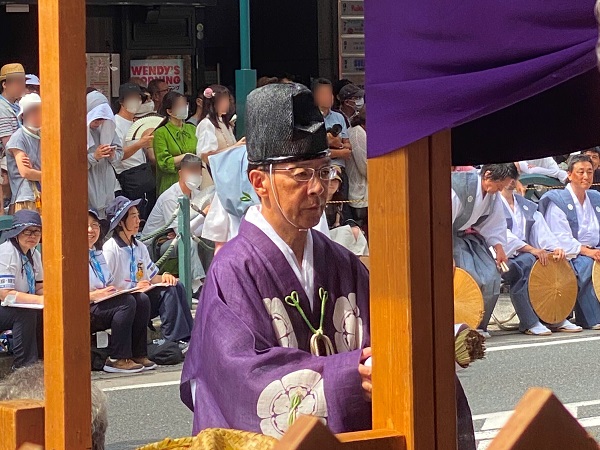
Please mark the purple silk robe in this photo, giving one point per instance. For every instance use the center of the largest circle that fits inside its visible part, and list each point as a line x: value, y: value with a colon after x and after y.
x: 249, y: 366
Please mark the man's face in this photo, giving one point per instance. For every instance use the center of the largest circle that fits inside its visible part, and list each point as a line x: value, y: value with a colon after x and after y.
x: 582, y: 175
x: 490, y: 186
x: 324, y: 96
x: 163, y: 89
x: 595, y: 157
x: 302, y: 202
x: 511, y: 186
x: 14, y: 86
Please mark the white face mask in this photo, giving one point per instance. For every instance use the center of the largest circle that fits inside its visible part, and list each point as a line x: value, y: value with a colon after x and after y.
x: 193, y: 181
x: 181, y: 113
x: 359, y: 103
x: 145, y: 108
x: 133, y: 106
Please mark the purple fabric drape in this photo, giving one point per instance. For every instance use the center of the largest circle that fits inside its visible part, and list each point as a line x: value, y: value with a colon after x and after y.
x: 437, y: 64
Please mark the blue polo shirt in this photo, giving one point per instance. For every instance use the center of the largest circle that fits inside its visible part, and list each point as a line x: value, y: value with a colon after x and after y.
x: 331, y: 119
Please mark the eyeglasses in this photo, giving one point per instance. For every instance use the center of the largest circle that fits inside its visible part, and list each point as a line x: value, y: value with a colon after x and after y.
x: 306, y: 174
x: 32, y: 233
x: 165, y: 90
x: 94, y: 226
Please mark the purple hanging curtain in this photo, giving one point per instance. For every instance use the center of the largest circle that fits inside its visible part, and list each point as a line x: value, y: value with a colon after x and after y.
x: 433, y: 65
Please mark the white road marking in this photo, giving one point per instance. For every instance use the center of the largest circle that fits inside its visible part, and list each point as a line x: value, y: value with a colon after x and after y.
x: 141, y: 386
x: 541, y: 344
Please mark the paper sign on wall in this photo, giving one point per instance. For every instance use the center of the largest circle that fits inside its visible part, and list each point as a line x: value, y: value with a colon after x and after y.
x: 171, y: 70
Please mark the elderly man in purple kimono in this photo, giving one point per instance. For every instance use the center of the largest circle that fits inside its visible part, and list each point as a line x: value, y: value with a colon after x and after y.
x: 282, y: 327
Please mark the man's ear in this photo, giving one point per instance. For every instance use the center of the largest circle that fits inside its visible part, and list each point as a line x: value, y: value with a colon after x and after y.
x: 258, y: 180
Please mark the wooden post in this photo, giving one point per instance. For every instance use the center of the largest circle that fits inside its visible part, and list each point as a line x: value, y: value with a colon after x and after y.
x: 64, y: 198
x: 21, y: 421
x: 411, y: 293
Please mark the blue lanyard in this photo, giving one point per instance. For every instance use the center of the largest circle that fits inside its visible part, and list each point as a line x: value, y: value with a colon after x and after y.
x: 97, y: 268
x: 132, y: 269
x: 29, y: 273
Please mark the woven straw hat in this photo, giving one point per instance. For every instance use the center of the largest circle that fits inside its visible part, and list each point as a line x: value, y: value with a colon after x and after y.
x: 217, y: 439
x: 468, y: 301
x: 552, y: 290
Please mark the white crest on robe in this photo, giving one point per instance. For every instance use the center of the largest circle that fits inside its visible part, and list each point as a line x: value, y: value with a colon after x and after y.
x: 273, y: 407
x: 282, y: 325
x: 348, y: 324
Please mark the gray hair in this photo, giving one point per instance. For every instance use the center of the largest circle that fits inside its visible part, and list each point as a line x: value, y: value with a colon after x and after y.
x: 28, y: 383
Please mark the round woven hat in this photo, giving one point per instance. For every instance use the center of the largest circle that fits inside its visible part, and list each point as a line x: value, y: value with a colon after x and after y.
x: 596, y: 279
x: 468, y: 301
x: 552, y: 290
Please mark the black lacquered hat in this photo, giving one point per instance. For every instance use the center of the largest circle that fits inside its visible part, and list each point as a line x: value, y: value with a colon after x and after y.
x: 283, y: 124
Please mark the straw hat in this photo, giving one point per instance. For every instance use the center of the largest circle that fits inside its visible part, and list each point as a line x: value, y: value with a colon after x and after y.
x: 552, y: 290
x: 216, y: 439
x: 468, y: 300
x: 596, y: 279
x: 11, y: 69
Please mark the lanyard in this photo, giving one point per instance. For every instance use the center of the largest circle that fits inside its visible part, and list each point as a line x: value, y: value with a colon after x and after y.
x: 29, y: 273
x: 132, y: 269
x: 97, y: 268
x: 318, y: 336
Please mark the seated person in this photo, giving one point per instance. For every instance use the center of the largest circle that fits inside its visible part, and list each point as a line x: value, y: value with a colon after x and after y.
x: 190, y: 179
x: 528, y: 239
x: 126, y: 315
x: 21, y: 281
x: 573, y: 215
x: 594, y: 155
x: 543, y: 166
x: 478, y: 224
x: 131, y: 266
x: 349, y: 235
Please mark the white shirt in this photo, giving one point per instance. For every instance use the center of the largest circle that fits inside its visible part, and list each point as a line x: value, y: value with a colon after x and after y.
x: 356, y: 167
x: 206, y: 133
x: 305, y: 272
x: 493, y: 229
x: 138, y: 157
x: 12, y: 271
x: 543, y: 166
x: 589, y: 229
x: 220, y: 226
x: 120, y: 256
x: 540, y: 236
x: 165, y: 206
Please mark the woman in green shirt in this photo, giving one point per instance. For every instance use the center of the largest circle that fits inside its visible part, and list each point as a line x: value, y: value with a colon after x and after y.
x: 172, y: 140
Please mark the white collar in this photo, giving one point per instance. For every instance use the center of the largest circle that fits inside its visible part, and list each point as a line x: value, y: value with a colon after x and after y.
x: 304, y: 271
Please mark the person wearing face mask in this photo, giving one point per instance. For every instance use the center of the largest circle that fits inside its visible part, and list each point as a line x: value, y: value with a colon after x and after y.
x: 173, y: 139
x: 23, y: 157
x: 352, y: 99
x: 104, y: 149
x: 190, y: 180
x: 134, y: 173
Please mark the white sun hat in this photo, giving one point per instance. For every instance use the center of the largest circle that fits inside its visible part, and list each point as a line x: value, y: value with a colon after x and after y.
x: 31, y: 79
x: 27, y: 102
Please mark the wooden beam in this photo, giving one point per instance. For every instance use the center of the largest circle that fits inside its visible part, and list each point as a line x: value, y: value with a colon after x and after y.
x: 372, y: 440
x: 411, y: 293
x: 64, y: 199
x: 21, y: 421
x: 540, y: 421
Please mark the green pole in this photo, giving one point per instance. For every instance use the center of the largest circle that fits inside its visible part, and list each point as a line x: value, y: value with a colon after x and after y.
x: 184, y: 250
x: 245, y: 78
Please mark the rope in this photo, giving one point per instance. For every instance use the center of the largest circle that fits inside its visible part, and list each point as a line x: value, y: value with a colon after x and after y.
x: 161, y: 230
x: 169, y: 250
